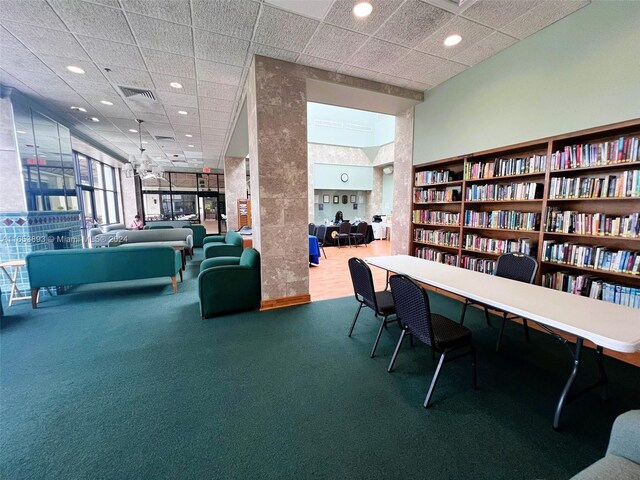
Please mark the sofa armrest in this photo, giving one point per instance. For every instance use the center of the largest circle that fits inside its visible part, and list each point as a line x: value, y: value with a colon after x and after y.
x: 218, y: 262
x: 221, y: 250
x: 213, y: 238
x: 625, y: 436
x: 228, y: 289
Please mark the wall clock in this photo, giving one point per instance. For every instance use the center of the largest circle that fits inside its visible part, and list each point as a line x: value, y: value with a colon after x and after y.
x: 344, y: 177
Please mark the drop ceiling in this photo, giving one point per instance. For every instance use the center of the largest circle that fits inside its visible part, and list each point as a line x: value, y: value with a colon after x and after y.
x: 207, y: 46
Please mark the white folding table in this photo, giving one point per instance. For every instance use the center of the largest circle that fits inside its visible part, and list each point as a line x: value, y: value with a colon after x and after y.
x: 605, y: 324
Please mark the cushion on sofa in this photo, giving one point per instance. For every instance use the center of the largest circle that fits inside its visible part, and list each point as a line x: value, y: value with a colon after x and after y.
x: 231, y: 247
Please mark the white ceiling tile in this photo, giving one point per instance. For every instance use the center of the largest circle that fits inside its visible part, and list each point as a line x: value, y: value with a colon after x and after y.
x: 94, y: 90
x: 214, y: 120
x: 271, y: 52
x: 34, y: 12
x: 217, y: 90
x: 218, y: 72
x: 15, y: 56
x: 163, y: 82
x: 498, y: 13
x: 485, y: 48
x: 412, y: 23
x: 358, y: 72
x: 542, y: 16
x: 44, y: 40
x: 219, y: 48
x: 108, y: 3
x: 93, y: 20
x: 445, y: 72
x: 414, y: 65
x: 130, y: 78
x: 154, y: 119
x: 171, y: 10
x: 341, y: 15
x: 315, y: 9
x: 106, y: 53
x: 376, y: 55
x: 178, y: 100
x: 470, y: 32
x: 147, y: 107
x: 161, y: 35
x: 216, y: 104
x: 320, y: 63
x: 59, y: 65
x: 334, y: 43
x: 236, y: 18
x: 169, y: 63
x: 284, y: 30
x: 418, y: 86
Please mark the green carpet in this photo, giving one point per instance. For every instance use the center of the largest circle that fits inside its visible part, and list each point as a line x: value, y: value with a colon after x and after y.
x: 124, y: 380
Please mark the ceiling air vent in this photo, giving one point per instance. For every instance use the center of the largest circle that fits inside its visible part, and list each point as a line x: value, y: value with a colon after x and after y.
x: 163, y: 138
x: 130, y: 92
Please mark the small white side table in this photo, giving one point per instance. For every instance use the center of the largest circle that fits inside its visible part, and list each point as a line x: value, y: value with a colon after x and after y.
x: 16, y: 293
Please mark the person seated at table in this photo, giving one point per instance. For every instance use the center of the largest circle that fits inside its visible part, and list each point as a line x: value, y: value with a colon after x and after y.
x: 137, y: 223
x: 339, y: 218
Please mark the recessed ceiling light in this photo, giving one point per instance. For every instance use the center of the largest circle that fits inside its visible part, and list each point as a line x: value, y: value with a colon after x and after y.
x: 74, y: 69
x: 362, y: 9
x: 133, y: 130
x: 452, y: 40
x: 188, y: 135
x: 94, y: 119
x: 21, y: 132
x: 182, y: 112
x: 106, y: 102
x: 78, y: 109
x: 190, y: 145
x: 175, y: 85
x: 144, y: 141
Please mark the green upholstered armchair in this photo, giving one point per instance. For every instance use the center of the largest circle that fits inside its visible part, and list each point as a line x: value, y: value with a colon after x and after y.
x: 229, y: 245
x: 199, y: 233
x: 229, y: 284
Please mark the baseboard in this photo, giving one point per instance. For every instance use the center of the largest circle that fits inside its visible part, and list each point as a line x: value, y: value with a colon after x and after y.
x: 285, y: 302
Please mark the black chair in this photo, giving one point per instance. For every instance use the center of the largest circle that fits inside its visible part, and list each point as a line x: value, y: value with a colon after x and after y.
x: 344, y: 233
x: 312, y: 229
x: 380, y: 302
x: 440, y: 333
x: 321, y: 234
x: 514, y: 266
x: 359, y: 234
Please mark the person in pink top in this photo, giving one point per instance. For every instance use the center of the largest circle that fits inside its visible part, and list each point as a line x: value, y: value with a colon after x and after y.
x: 137, y: 223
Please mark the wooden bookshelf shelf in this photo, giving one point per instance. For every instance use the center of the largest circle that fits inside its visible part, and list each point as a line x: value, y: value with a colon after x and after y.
x: 602, y: 141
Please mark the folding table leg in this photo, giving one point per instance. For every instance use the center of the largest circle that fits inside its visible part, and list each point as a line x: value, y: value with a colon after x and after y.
x: 564, y: 396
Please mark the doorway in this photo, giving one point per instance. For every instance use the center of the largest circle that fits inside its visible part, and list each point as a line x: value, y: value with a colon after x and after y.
x: 211, y: 208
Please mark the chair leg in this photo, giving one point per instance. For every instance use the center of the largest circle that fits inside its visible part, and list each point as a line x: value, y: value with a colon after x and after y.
x: 375, y: 345
x: 474, y: 368
x: 323, y: 252
x: 395, y: 352
x: 504, y: 321
x: 435, y: 379
x: 525, y: 325
x: 464, y: 311
x: 353, y: 324
x: 486, y: 316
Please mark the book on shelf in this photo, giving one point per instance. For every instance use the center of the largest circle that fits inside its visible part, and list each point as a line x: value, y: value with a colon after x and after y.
x: 502, y: 167
x: 436, y: 256
x: 512, y: 191
x: 496, y: 245
x: 482, y: 265
x: 587, y: 256
x: 588, y: 286
x: 596, y: 224
x: 435, y: 195
x: 623, y: 150
x: 624, y: 184
x: 433, y: 177
x: 445, y: 238
x: 503, y: 219
x: 436, y: 217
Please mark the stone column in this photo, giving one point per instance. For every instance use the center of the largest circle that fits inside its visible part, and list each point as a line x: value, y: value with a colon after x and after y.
x: 402, y: 184
x: 277, y: 116
x: 235, y: 185
x: 12, y: 196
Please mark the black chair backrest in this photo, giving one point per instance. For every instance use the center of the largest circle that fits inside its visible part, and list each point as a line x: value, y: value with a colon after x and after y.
x: 362, y: 280
x: 321, y: 232
x: 312, y: 229
x: 412, y: 307
x: 345, y: 228
x: 517, y: 266
x: 362, y: 228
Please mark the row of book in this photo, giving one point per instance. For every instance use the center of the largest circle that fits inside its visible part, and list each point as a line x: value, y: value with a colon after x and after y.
x: 624, y: 184
x: 504, y: 219
x: 436, y: 217
x: 478, y: 264
x: 512, y: 191
x: 437, y: 256
x: 588, y: 286
x: 496, y: 245
x: 571, y: 221
x: 440, y: 237
x: 502, y: 167
x: 435, y: 195
x: 599, y: 258
x: 429, y: 177
x: 624, y: 149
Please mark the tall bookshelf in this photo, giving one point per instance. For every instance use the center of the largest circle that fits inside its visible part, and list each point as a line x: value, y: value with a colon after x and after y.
x: 571, y: 201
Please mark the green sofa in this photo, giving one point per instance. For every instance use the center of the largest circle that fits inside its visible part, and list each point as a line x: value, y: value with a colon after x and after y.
x: 229, y: 284
x: 199, y: 234
x: 79, y: 266
x: 622, y: 460
x: 172, y: 237
x: 229, y: 245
